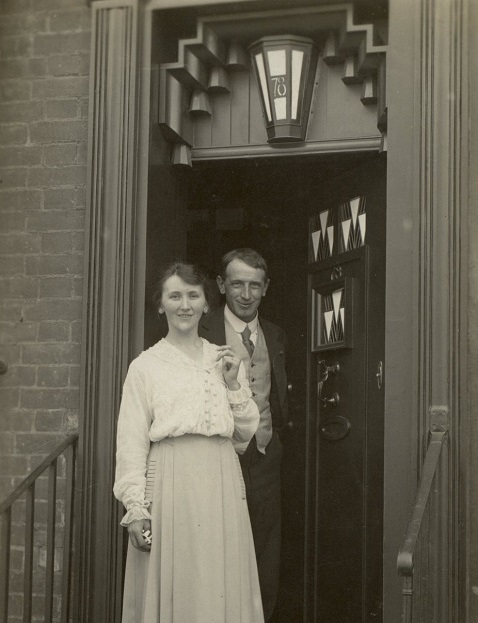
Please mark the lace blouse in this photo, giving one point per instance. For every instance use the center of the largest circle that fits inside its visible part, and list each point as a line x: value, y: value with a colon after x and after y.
x: 167, y: 394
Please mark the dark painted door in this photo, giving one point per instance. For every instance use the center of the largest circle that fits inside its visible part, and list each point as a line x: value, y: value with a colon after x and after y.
x: 345, y: 399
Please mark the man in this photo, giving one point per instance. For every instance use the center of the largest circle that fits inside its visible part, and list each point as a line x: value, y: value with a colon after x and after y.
x: 261, y: 346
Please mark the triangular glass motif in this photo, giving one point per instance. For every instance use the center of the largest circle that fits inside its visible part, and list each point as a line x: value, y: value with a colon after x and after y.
x: 323, y: 216
x: 337, y: 299
x: 346, y: 233
x: 342, y: 318
x: 362, y: 226
x: 316, y: 241
x: 354, y: 208
x: 330, y: 236
x: 328, y: 316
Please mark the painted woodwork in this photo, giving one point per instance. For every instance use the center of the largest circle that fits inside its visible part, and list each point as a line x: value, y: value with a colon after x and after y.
x: 345, y: 421
x: 351, y: 70
x: 426, y: 248
x: 108, y: 300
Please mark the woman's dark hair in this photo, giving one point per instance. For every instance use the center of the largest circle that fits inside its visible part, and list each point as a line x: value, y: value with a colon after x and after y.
x: 248, y: 256
x: 190, y: 273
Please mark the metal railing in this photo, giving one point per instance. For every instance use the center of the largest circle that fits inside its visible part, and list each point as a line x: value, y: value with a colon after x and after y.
x: 68, y: 448
x: 415, y: 527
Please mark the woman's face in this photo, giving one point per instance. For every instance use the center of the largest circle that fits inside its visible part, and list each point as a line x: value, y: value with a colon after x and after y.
x: 182, y: 303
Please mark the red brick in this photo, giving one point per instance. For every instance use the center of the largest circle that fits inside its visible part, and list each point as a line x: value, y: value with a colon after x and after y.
x: 13, y: 134
x: 70, y: 20
x: 13, y: 465
x: 16, y: 6
x: 52, y: 287
x: 15, y: 46
x: 47, y: 421
x: 56, y: 155
x: 69, y: 65
x: 10, y: 353
x: 20, y: 243
x: 18, y: 287
x: 11, y: 310
x: 20, y: 199
x: 19, y: 376
x: 57, y: 242
x: 77, y: 241
x: 59, y: 176
x: 56, y: 220
x: 60, y: 199
x: 30, y: 21
x: 7, y: 443
x: 36, y: 443
x: 57, y: 131
x: 16, y: 332
x: 61, y: 109
x: 54, y: 332
x: 57, y: 309
x: 77, y: 286
x: 74, y: 378
x: 12, y: 264
x: 15, y: 112
x: 53, y: 376
x: 13, y: 178
x: 76, y: 332
x: 22, y: 68
x: 61, y: 87
x: 47, y: 399
x: 13, y: 221
x: 15, y: 90
x: 49, y: 44
x: 18, y: 420
x: 54, y: 264
x: 50, y: 353
x: 25, y: 155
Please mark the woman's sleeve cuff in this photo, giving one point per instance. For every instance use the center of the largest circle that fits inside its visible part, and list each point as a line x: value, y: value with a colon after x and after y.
x: 239, y: 396
x: 135, y: 513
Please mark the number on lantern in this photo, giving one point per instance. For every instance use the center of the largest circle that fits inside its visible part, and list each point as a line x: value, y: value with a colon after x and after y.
x: 280, y: 88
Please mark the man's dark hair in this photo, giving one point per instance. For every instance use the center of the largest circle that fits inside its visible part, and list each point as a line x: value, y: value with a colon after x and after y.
x: 248, y: 256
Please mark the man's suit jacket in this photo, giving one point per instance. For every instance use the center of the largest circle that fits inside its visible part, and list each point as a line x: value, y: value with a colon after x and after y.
x: 212, y: 328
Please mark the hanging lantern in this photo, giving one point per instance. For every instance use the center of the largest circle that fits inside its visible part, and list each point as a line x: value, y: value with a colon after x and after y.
x: 285, y: 70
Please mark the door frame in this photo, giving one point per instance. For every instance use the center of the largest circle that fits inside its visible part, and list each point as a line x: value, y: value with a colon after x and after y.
x: 426, y: 242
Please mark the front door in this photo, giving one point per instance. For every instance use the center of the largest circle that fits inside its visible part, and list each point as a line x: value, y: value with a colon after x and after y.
x: 275, y: 207
x: 345, y: 399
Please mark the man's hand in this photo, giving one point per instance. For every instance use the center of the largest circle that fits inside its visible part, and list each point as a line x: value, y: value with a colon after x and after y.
x: 135, y: 529
x: 230, y: 366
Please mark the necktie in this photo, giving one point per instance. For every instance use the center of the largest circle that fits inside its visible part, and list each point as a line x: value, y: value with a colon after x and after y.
x: 246, y: 340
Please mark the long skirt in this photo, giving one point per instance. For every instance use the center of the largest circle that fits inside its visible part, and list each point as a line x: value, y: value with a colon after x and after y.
x: 202, y: 565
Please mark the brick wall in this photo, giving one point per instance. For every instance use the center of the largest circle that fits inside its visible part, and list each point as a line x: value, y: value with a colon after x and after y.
x: 44, y: 65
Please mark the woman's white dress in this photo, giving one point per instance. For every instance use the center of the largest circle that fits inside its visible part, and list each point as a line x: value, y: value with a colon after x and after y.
x: 177, y: 466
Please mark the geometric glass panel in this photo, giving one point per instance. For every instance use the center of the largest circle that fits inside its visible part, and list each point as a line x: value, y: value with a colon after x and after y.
x: 352, y: 224
x: 331, y: 310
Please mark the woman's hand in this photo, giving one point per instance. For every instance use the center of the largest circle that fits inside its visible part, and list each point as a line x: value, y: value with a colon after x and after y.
x: 230, y: 366
x: 135, y: 529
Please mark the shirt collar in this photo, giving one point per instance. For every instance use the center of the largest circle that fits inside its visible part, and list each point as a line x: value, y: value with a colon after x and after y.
x: 239, y: 325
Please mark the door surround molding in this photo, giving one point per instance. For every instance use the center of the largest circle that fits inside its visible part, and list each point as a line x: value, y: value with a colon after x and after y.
x: 426, y: 265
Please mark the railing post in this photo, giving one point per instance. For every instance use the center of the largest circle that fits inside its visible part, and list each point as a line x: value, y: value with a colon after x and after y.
x: 5, y: 527
x: 407, y: 599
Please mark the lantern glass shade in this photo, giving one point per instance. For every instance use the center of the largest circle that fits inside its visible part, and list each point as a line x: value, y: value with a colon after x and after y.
x: 285, y: 69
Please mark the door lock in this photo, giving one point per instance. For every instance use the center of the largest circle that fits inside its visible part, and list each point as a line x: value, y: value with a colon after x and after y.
x: 333, y: 401
x: 379, y: 375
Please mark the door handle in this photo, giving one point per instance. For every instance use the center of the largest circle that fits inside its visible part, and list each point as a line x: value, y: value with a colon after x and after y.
x: 325, y: 370
x: 333, y: 401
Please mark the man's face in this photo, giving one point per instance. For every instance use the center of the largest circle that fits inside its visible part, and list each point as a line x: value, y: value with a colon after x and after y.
x: 244, y: 288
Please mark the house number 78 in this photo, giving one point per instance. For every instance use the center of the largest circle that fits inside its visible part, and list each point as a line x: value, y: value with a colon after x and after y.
x: 279, y: 86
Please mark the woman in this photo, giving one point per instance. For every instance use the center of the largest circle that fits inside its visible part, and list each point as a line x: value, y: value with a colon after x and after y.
x: 184, y: 402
